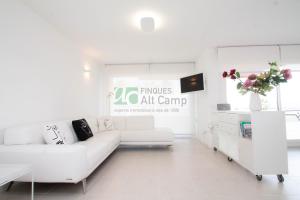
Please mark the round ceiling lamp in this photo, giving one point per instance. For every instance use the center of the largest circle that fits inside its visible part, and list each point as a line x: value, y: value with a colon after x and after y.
x: 147, y: 21
x: 147, y: 24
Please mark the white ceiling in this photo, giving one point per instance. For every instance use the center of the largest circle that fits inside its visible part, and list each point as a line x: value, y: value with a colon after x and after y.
x: 103, y: 28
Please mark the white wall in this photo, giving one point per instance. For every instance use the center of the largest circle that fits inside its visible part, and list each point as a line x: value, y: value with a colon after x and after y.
x: 213, y: 94
x: 104, y: 90
x: 41, y: 72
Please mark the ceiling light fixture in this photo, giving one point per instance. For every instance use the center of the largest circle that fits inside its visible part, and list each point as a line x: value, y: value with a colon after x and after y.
x: 147, y: 21
x: 147, y: 24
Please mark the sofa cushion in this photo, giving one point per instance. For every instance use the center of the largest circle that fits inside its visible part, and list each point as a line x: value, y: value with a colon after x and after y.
x: 139, y: 123
x: 29, y: 134
x: 54, y: 133
x: 72, y: 138
x: 82, y: 129
x: 155, y: 135
x: 93, y: 124
x: 66, y: 131
x: 108, y: 124
x: 101, y: 124
x: 105, y: 124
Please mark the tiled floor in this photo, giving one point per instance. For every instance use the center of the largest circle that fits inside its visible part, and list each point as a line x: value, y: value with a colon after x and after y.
x: 187, y: 171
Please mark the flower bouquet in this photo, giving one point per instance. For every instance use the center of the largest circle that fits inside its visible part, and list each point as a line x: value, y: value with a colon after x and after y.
x: 259, y: 84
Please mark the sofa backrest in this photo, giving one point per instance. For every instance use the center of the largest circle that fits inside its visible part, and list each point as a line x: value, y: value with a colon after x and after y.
x: 26, y: 134
x: 119, y: 123
x: 33, y: 133
x: 140, y: 123
x: 133, y: 123
x: 1, y: 136
x: 70, y: 135
x: 93, y: 123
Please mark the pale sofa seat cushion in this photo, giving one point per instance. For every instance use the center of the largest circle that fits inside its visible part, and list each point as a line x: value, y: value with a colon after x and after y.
x: 105, y: 124
x: 99, y: 146
x: 139, y: 123
x: 27, y: 134
x: 101, y: 126
x: 66, y: 130
x: 72, y: 138
x: 54, y: 133
x: 93, y: 124
x: 154, y: 135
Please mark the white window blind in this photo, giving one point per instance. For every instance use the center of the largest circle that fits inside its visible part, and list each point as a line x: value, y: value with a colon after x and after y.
x: 153, y: 89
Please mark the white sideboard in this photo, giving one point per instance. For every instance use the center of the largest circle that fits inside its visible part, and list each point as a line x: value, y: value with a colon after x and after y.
x: 263, y: 154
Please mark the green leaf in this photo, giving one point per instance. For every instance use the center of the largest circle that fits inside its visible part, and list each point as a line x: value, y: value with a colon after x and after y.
x: 238, y: 74
x: 239, y: 85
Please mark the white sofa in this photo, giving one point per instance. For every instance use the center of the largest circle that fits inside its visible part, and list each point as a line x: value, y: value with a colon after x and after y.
x: 72, y: 163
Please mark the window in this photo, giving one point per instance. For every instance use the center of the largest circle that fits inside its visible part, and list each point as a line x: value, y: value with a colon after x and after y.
x: 290, y: 97
x: 159, y: 98
x: 146, y: 97
x: 153, y: 90
x: 290, y: 101
x: 237, y: 100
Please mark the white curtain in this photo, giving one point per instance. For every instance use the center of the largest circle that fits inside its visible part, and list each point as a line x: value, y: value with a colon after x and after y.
x: 256, y: 58
x: 290, y: 55
x: 249, y: 58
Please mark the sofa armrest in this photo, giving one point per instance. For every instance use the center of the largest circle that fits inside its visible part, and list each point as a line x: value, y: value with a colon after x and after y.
x: 51, y: 163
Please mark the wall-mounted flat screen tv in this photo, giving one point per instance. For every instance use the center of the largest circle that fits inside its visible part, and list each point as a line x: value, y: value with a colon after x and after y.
x: 192, y: 83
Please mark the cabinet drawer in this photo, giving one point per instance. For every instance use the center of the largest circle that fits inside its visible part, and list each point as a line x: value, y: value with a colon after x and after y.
x: 229, y: 129
x: 228, y: 118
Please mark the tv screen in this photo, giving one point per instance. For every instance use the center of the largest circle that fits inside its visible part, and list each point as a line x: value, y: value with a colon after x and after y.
x: 192, y: 83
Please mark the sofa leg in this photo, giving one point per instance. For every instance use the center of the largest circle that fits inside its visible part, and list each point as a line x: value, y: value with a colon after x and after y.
x: 84, y: 185
x: 9, y: 186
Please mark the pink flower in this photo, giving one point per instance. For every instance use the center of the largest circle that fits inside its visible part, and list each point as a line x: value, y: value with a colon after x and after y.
x: 225, y: 74
x: 252, y: 77
x: 233, y: 77
x: 287, y: 74
x: 232, y: 71
x: 248, y: 83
